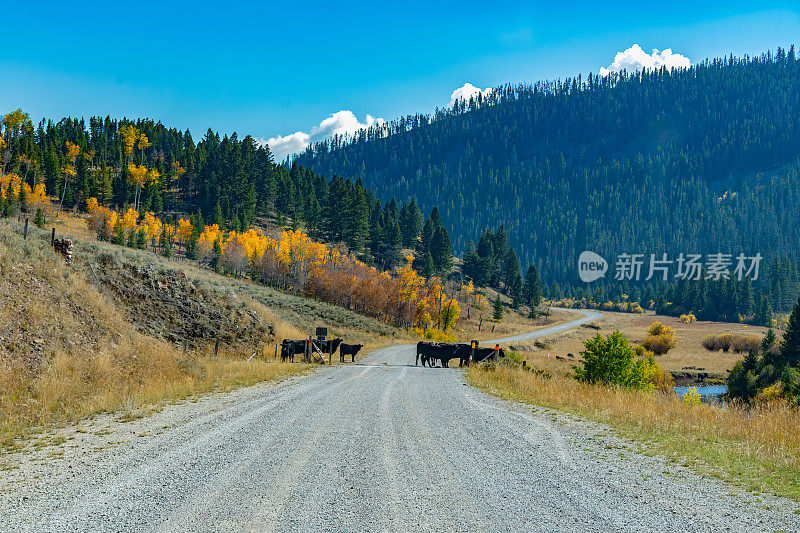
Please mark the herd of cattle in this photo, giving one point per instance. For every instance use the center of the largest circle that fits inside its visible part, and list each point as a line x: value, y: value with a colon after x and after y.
x: 430, y: 352
x: 290, y: 348
x: 427, y: 352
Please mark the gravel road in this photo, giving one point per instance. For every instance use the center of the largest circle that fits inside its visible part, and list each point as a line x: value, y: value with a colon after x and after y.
x: 377, y: 446
x: 588, y: 316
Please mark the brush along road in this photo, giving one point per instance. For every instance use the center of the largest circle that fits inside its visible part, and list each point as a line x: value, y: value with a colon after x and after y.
x: 377, y: 446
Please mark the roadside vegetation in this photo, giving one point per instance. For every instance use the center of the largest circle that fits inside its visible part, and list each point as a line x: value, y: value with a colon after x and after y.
x: 754, y: 444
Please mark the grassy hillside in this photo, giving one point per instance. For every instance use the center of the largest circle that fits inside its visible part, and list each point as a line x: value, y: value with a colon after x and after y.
x: 121, y: 329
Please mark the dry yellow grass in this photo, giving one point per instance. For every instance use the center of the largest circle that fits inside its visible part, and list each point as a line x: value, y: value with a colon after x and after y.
x: 758, y: 449
x: 128, y: 378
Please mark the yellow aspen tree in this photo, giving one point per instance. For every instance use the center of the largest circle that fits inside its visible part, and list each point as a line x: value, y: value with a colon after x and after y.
x: 153, y: 227
x: 68, y: 168
x: 205, y: 243
x: 142, y: 142
x: 449, y: 314
x: 139, y: 176
x: 183, y: 231
x: 129, y: 219
x: 128, y: 135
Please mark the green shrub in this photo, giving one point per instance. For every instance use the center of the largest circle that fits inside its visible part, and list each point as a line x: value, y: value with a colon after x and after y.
x: 742, y: 381
x: 613, y: 361
x: 512, y: 358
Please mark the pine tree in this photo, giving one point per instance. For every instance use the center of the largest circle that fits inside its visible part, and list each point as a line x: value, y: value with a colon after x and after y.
x: 23, y: 200
x: 436, y: 218
x: 510, y: 268
x: 39, y: 220
x: 166, y: 247
x: 441, y: 252
x: 742, y: 381
x: 141, y: 239
x: 356, y: 219
x: 410, y: 223
x: 486, y: 255
x: 532, y: 288
x: 497, y: 310
x: 423, y: 247
x: 790, y: 345
x: 764, y: 314
x: 10, y: 205
x: 119, y: 233
x: 218, y: 217
x: 516, y: 292
x: 216, y: 263
x: 428, y: 268
x: 471, y: 265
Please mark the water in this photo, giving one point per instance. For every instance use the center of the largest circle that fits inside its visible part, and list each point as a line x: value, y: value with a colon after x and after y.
x: 708, y: 393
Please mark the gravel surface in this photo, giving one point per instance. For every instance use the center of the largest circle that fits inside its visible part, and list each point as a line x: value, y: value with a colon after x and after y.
x: 377, y: 446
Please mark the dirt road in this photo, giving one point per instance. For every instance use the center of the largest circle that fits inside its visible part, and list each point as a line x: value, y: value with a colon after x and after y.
x: 377, y: 446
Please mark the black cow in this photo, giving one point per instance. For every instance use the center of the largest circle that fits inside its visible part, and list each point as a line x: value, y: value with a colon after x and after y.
x: 425, y: 352
x: 483, y: 354
x: 328, y: 347
x: 349, y: 349
x: 291, y: 347
x: 430, y: 352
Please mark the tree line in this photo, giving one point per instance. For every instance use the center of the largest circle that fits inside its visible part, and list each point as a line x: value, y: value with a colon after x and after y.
x: 224, y: 180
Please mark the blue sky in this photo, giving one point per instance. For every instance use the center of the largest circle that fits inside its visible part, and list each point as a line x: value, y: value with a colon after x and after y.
x: 269, y: 69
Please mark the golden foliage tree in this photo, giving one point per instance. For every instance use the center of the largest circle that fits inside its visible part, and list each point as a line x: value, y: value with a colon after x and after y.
x: 68, y: 168
x: 449, y: 314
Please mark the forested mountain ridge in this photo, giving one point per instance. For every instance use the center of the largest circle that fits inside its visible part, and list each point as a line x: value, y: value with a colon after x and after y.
x: 703, y: 159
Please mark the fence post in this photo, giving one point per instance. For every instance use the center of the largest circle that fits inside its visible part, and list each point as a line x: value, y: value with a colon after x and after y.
x: 53, y: 237
x: 25, y: 234
x: 216, y: 348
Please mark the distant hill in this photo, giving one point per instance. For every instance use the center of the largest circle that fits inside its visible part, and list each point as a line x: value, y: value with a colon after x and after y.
x: 704, y: 159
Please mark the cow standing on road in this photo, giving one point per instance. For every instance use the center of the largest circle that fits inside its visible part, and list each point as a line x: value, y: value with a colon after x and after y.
x: 349, y: 349
x: 430, y: 352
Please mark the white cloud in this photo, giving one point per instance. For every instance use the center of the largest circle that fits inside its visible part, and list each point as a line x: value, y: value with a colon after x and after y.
x: 635, y: 59
x: 346, y: 123
x: 467, y: 91
x: 283, y: 145
x: 340, y: 123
